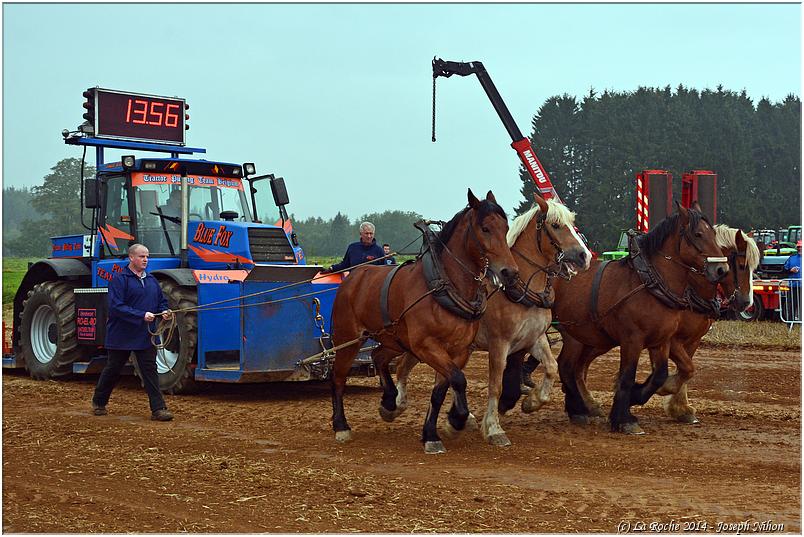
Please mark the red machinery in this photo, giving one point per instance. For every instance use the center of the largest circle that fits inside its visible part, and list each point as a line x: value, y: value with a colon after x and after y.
x: 700, y: 186
x: 654, y: 198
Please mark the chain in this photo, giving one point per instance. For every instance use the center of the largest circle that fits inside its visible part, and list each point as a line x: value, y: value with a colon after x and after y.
x: 319, y: 322
x: 434, y: 110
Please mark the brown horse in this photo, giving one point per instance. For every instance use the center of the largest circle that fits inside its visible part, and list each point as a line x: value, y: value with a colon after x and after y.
x: 635, y: 303
x: 743, y: 256
x: 468, y: 246
x: 546, y: 245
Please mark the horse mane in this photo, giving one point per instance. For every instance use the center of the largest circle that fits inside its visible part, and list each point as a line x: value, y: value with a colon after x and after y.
x: 556, y: 214
x: 726, y: 237
x: 651, y: 241
x: 485, y: 208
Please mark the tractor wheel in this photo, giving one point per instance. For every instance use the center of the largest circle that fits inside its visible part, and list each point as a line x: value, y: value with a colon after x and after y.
x: 47, y: 329
x: 175, y: 364
x: 755, y: 312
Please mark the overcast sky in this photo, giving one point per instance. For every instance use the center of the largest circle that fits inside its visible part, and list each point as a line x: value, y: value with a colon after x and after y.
x: 337, y: 97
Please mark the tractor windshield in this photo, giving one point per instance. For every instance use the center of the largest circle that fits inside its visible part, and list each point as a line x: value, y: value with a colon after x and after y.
x: 158, y: 206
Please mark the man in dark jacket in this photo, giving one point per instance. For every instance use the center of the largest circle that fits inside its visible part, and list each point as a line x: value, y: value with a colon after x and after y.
x: 134, y: 297
x: 366, y: 249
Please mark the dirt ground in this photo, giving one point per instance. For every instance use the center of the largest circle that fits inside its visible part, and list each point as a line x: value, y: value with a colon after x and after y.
x: 262, y: 458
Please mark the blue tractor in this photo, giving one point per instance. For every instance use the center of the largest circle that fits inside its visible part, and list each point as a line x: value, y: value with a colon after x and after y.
x: 249, y: 308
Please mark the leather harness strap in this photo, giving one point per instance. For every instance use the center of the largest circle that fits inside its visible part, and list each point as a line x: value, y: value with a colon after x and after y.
x: 386, y: 316
x: 596, y: 291
x: 443, y: 290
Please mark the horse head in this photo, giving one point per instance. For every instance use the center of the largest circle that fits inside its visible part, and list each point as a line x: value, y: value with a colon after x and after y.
x: 487, y: 228
x: 743, y: 255
x: 556, y: 236
x: 697, y: 244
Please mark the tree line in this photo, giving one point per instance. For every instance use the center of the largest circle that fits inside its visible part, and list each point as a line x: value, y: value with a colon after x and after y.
x: 592, y: 148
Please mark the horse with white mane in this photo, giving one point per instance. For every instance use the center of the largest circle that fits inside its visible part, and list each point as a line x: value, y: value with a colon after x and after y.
x: 545, y: 245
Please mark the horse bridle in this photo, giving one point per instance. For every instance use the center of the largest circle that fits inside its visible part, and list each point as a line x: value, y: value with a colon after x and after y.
x: 685, y: 234
x: 478, y: 278
x: 558, y: 262
x: 733, y: 267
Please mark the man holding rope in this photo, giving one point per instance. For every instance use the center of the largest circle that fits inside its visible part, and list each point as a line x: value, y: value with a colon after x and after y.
x: 133, y: 297
x: 362, y: 251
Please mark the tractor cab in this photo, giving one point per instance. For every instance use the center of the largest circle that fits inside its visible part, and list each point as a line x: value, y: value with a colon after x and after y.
x: 140, y: 200
x: 143, y: 201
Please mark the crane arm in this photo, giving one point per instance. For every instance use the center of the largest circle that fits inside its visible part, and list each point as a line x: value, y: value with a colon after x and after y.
x: 520, y: 143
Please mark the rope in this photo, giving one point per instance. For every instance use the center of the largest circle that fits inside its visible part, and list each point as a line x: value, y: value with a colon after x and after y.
x: 328, y: 352
x: 169, y: 325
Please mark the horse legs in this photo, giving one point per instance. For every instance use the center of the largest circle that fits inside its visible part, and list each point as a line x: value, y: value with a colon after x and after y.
x: 404, y: 365
x: 528, y: 367
x: 569, y: 359
x: 449, y: 369
x: 382, y: 358
x: 511, y: 381
x: 595, y: 410
x: 620, y: 416
x: 490, y: 427
x: 343, y: 363
x: 642, y: 392
x: 539, y: 396
x: 677, y: 405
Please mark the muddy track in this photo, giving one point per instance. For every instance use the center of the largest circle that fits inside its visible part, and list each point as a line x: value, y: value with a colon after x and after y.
x: 262, y: 458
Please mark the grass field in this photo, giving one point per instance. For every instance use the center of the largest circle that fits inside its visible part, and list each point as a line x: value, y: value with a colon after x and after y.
x: 763, y: 333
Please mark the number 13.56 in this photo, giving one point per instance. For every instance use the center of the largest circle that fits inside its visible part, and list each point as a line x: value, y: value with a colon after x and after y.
x: 155, y: 113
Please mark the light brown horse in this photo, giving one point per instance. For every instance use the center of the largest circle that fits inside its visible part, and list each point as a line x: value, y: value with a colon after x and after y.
x: 546, y: 246
x: 635, y: 303
x: 468, y: 246
x: 743, y: 256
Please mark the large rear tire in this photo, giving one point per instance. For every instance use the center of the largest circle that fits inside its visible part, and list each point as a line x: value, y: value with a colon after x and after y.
x: 47, y: 331
x: 175, y: 364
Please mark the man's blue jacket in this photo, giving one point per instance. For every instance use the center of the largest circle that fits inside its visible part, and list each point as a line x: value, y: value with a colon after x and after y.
x: 129, y: 299
x: 358, y: 253
x: 794, y: 261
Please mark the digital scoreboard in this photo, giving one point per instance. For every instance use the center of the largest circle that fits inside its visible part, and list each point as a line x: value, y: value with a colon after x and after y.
x: 124, y: 115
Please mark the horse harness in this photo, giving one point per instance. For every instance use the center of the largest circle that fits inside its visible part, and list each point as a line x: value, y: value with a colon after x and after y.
x: 733, y: 268
x: 438, y: 283
x: 520, y: 293
x: 652, y: 281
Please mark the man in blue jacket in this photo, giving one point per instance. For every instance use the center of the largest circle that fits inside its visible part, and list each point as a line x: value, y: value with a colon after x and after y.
x: 362, y: 251
x: 791, y: 305
x: 135, y: 299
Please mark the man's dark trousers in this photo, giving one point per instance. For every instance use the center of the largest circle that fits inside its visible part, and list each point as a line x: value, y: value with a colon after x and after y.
x: 146, y: 361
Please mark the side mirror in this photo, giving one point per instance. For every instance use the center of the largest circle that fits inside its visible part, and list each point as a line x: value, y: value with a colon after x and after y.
x: 279, y: 191
x: 91, y: 197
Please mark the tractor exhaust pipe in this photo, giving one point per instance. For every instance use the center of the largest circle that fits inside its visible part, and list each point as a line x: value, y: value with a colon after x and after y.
x: 185, y: 217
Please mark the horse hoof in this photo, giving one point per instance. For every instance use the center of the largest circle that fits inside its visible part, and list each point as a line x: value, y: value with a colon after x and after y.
x: 579, y: 419
x: 596, y: 412
x: 531, y: 405
x: 471, y: 423
x: 688, y: 419
x: 499, y: 440
x: 388, y: 415
x: 448, y: 431
x: 631, y: 428
x: 343, y: 436
x: 434, y: 447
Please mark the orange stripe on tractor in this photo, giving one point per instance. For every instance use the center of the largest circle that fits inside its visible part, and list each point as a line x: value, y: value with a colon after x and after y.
x: 216, y: 256
x: 110, y: 233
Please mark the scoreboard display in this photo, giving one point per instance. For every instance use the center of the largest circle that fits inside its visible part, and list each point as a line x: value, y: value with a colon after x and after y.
x: 138, y: 117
